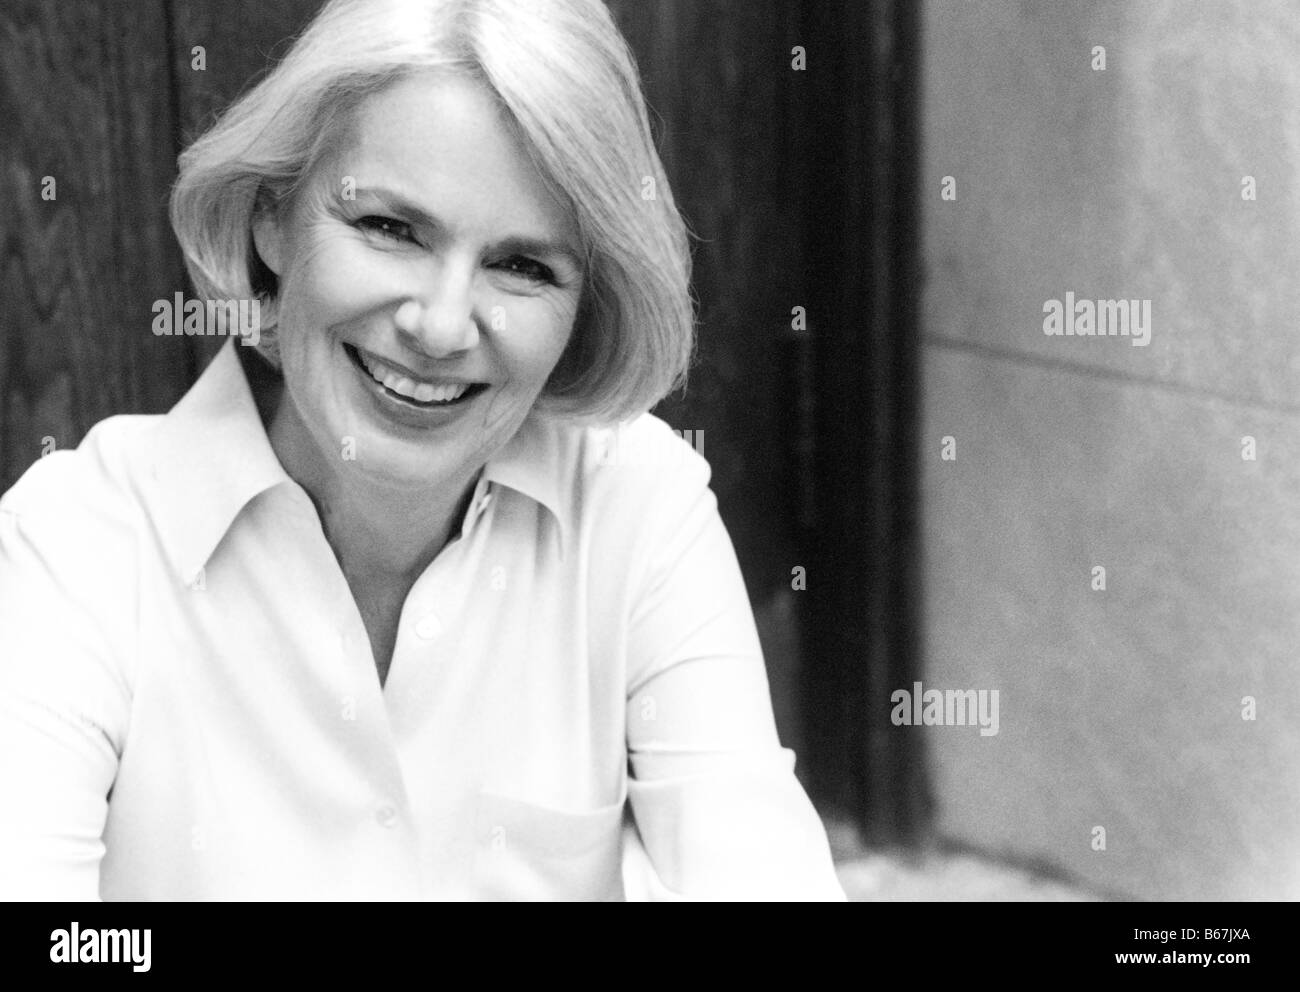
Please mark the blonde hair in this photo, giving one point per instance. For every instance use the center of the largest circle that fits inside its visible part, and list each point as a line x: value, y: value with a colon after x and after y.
x: 570, y: 87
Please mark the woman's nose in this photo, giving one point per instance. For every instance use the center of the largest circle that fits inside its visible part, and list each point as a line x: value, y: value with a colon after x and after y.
x: 441, y: 319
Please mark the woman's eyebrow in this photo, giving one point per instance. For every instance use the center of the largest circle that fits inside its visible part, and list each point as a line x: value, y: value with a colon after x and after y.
x: 516, y: 244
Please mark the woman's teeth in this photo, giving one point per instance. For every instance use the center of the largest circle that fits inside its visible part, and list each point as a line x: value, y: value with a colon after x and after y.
x: 421, y: 392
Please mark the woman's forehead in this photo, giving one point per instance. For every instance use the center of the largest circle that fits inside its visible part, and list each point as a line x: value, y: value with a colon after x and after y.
x: 442, y: 144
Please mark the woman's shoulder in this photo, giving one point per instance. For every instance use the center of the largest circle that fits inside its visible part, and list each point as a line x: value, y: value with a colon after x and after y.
x: 643, y: 452
x: 71, y: 531
x: 637, y: 481
x: 91, y: 487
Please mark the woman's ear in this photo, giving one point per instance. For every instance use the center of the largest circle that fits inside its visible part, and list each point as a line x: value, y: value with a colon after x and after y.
x: 268, y: 234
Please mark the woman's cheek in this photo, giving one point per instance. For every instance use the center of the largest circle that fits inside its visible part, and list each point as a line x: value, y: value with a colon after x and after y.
x: 347, y: 276
x: 534, y: 335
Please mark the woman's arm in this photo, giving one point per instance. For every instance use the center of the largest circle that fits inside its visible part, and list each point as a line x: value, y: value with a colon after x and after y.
x: 64, y: 704
x: 719, y: 810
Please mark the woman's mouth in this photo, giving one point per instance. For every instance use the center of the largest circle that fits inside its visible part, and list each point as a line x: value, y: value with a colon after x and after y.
x: 401, y: 387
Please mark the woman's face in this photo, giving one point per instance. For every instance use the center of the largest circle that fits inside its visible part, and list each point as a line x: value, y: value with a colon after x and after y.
x: 428, y: 284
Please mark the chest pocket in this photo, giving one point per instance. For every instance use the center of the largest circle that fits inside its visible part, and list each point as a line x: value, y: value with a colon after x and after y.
x: 527, y: 852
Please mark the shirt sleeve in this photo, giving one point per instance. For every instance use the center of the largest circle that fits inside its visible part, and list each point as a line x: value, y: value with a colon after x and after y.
x: 64, y: 704
x: 717, y: 806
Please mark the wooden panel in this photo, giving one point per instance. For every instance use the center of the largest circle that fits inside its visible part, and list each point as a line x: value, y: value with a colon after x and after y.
x: 861, y: 202
x: 85, y: 98
x: 241, y: 39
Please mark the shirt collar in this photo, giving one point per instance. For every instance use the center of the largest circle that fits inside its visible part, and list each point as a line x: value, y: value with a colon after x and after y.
x: 535, y: 463
x: 213, y: 457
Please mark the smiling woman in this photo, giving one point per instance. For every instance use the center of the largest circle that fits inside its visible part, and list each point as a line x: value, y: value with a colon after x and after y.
x: 378, y: 323
x: 369, y: 613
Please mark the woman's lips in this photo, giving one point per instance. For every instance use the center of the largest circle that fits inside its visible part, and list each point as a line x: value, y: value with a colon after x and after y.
x: 399, y: 384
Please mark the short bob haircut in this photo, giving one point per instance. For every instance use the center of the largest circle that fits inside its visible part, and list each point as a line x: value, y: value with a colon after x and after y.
x: 570, y: 90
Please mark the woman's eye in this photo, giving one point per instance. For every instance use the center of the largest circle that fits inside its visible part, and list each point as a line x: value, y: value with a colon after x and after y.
x: 387, y: 227
x: 527, y: 268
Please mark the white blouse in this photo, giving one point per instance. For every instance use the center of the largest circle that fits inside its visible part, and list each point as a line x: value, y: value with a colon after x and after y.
x: 577, y: 706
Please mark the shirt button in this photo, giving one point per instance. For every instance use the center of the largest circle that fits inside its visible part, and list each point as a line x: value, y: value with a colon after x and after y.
x: 386, y: 817
x: 429, y: 627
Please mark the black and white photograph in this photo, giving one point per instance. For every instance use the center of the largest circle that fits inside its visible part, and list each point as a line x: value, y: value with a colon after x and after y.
x: 651, y: 451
